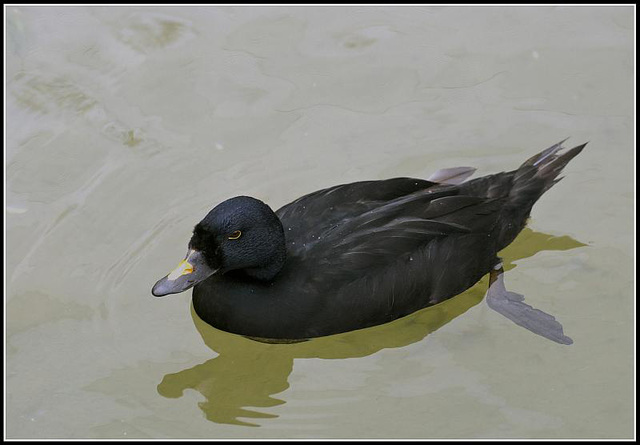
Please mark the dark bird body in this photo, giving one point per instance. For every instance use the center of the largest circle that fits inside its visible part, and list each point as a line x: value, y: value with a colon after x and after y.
x: 361, y: 254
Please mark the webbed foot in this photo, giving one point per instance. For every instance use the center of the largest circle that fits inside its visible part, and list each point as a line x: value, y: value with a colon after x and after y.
x: 512, y: 306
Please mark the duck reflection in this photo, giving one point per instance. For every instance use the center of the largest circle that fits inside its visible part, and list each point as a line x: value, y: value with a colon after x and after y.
x: 247, y: 373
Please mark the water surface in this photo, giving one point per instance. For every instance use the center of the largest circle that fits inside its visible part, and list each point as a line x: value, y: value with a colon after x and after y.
x: 125, y: 125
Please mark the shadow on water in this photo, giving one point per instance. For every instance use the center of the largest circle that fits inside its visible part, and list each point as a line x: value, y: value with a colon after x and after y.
x: 247, y: 373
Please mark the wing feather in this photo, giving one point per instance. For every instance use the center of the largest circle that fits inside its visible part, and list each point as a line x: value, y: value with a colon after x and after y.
x: 357, y: 227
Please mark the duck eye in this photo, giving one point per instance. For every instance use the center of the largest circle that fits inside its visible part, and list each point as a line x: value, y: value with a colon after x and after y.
x: 235, y: 235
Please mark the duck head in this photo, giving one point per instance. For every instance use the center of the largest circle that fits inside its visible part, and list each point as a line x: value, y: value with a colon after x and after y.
x: 241, y: 233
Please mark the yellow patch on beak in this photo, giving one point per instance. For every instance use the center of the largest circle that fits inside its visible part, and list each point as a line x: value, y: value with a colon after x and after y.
x: 183, y: 268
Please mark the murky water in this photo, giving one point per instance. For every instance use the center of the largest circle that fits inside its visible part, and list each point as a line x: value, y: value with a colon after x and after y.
x: 126, y: 125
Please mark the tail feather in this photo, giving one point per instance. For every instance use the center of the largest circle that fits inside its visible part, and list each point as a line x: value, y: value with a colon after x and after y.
x: 538, y: 173
x: 533, y: 178
x: 550, y: 168
x: 540, y: 157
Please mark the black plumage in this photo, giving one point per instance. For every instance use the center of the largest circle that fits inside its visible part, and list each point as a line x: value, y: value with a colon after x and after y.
x: 360, y: 254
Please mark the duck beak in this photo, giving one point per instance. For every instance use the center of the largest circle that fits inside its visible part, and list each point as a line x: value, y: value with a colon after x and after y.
x: 192, y: 270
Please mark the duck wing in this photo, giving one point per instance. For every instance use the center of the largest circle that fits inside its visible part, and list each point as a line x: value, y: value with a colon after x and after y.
x: 308, y: 217
x: 368, y: 234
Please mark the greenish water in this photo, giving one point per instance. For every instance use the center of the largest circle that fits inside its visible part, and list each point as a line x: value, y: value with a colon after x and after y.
x: 126, y: 125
